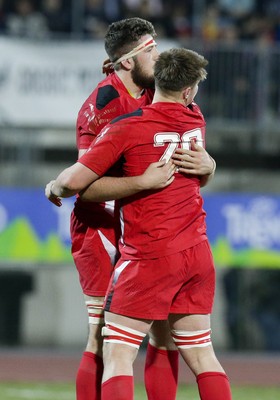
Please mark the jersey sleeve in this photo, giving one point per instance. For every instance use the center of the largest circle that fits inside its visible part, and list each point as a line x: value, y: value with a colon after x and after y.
x: 106, y: 150
x: 84, y: 133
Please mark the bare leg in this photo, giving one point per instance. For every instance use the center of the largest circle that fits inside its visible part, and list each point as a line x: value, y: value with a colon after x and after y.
x: 122, y: 338
x: 198, y: 353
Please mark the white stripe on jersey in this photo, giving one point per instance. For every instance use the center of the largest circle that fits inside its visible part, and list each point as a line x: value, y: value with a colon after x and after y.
x: 110, y: 207
x: 119, y: 270
x: 110, y: 248
x: 122, y: 226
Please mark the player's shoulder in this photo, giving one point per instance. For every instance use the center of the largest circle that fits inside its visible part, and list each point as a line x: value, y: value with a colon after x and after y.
x: 105, y: 94
x: 194, y: 111
x: 108, y: 90
x: 194, y: 108
x: 128, y: 116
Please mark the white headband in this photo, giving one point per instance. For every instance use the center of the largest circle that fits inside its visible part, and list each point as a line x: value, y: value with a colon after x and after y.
x: 142, y: 46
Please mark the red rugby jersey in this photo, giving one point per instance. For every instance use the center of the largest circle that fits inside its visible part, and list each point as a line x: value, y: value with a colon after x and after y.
x: 159, y: 222
x: 109, y: 100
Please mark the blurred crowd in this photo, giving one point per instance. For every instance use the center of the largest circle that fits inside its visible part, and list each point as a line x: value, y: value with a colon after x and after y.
x: 209, y: 20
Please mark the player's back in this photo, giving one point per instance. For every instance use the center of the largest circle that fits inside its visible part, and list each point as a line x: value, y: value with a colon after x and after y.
x: 169, y: 220
x: 163, y: 221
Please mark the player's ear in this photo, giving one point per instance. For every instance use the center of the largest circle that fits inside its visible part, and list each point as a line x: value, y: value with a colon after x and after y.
x: 186, y: 93
x: 127, y: 64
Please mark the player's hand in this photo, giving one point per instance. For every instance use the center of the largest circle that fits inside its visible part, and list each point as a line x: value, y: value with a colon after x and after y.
x: 51, y: 196
x: 195, y: 161
x: 158, y: 175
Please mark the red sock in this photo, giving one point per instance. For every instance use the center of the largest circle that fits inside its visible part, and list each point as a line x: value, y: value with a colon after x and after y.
x: 118, y: 388
x: 213, y: 386
x: 161, y: 373
x: 89, y: 376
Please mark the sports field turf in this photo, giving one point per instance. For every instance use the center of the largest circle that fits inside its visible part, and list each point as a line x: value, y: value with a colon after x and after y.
x: 55, y: 391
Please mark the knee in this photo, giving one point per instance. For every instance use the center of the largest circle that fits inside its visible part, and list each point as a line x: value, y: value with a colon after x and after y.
x: 197, y: 350
x: 160, y: 336
x: 95, y: 339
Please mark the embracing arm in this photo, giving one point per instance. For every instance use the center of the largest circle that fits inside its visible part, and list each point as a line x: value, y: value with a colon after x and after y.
x: 82, y: 180
x: 69, y: 182
x: 157, y: 176
x: 195, y: 162
x: 206, y: 178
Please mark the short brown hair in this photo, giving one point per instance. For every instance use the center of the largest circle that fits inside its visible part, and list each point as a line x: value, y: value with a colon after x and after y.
x: 177, y: 69
x: 122, y: 36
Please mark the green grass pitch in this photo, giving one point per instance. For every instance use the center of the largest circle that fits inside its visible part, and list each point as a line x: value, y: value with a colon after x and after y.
x: 66, y: 391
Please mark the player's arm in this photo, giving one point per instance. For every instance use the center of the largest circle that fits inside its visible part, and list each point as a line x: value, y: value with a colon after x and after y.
x: 206, y: 178
x: 157, y: 176
x: 69, y: 182
x: 80, y: 179
x: 196, y: 161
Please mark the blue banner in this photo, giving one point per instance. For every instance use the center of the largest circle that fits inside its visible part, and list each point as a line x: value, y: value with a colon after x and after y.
x: 243, y: 229
x: 32, y: 229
